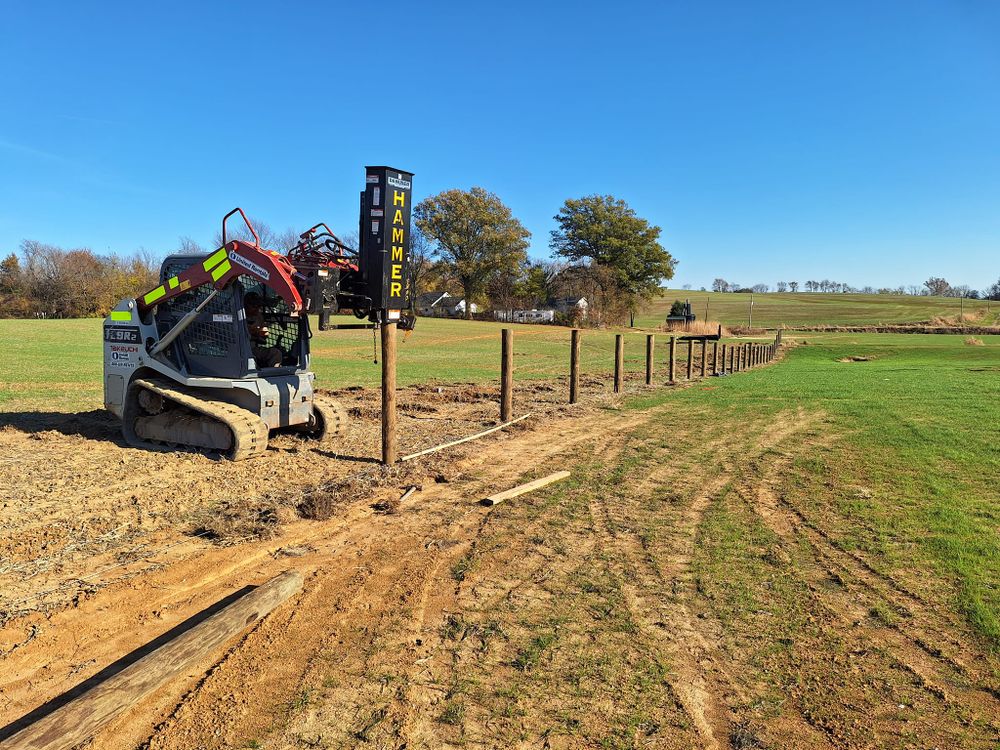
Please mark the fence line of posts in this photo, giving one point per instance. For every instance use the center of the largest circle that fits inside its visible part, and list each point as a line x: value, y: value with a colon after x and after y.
x: 722, y: 359
x: 726, y: 360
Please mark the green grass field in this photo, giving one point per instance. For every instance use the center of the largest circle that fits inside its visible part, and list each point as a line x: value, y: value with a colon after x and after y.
x: 56, y: 364
x: 802, y: 309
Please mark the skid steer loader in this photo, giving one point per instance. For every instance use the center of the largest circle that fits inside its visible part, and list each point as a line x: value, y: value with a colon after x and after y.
x: 216, y: 357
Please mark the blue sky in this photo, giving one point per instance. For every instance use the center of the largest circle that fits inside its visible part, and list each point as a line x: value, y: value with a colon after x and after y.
x: 856, y: 141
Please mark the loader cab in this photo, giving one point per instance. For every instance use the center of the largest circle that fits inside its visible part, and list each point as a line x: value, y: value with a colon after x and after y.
x: 218, y: 343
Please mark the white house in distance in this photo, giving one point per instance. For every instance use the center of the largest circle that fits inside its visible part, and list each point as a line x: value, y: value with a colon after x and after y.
x: 572, y: 306
x: 441, y: 305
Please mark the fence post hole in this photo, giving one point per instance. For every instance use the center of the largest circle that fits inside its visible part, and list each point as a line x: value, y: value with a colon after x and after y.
x: 619, y: 361
x: 650, y: 346
x: 506, y: 374
x: 574, y: 366
x: 388, y: 393
x: 704, y: 357
x: 672, y: 363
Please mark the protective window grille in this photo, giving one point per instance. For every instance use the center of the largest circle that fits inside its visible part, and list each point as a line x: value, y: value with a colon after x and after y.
x: 214, y: 333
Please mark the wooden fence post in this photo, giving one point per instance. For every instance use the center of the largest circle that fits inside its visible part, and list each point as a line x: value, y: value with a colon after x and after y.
x: 506, y: 374
x: 715, y: 358
x: 650, y: 346
x: 574, y: 366
x: 690, y: 358
x: 619, y: 361
x: 388, y: 393
x: 704, y: 357
x: 723, y: 371
x: 672, y: 363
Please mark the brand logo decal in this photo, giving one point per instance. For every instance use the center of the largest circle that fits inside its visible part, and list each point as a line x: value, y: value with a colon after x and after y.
x: 249, y: 265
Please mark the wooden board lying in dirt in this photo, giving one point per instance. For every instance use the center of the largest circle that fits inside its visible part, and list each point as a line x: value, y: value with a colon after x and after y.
x: 499, y: 497
x: 76, y: 721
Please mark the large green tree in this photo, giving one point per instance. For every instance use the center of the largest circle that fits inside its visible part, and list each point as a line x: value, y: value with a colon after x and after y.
x: 476, y: 236
x: 623, y: 249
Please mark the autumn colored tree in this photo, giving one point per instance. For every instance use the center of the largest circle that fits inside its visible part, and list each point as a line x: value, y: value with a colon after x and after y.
x: 476, y: 237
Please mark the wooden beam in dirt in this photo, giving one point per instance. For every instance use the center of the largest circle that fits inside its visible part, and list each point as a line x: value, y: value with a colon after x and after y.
x: 521, y: 489
x: 452, y: 443
x: 672, y: 359
x: 619, y: 361
x: 506, y: 374
x: 388, y: 393
x: 574, y: 366
x: 650, y: 345
x: 78, y: 720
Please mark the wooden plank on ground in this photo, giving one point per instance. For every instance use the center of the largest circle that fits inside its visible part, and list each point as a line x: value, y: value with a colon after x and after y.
x: 79, y: 719
x: 521, y: 489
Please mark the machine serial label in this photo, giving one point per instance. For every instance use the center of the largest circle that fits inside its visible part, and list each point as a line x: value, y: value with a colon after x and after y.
x: 123, y: 335
x: 249, y: 265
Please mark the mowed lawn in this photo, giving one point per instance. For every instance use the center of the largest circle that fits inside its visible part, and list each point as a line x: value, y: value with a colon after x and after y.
x: 805, y: 309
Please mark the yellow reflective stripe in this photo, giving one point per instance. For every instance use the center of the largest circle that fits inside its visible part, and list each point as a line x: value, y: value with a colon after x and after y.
x: 215, y: 259
x: 154, y: 295
x: 172, y: 282
x: 221, y: 271
x: 119, y: 315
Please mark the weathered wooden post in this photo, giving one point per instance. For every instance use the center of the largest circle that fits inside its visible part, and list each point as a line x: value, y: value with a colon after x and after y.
x: 574, y: 366
x: 388, y: 393
x: 690, y: 358
x: 506, y: 374
x: 650, y: 345
x: 723, y: 370
x: 619, y: 361
x: 704, y: 357
x: 672, y: 363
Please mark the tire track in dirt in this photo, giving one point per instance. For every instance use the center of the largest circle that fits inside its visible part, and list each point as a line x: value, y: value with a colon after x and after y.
x: 659, y: 593
x: 861, y: 589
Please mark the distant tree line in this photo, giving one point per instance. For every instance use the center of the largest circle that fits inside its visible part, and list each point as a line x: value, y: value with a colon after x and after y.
x: 934, y: 286
x: 49, y: 281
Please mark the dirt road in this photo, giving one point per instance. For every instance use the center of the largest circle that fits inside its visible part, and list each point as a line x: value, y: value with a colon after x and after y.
x: 674, y: 593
